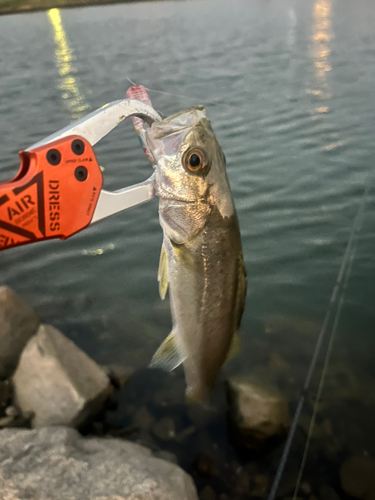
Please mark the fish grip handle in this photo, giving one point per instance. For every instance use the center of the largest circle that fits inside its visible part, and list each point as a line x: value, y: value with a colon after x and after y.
x: 53, y: 195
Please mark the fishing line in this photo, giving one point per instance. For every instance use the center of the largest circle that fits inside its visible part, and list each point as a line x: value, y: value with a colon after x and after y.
x: 345, y: 264
x: 330, y: 346
x: 189, y: 98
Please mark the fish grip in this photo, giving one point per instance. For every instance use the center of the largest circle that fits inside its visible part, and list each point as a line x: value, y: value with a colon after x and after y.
x: 53, y: 195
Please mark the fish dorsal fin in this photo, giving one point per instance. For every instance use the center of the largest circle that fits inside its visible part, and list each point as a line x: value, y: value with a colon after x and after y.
x: 235, y: 348
x: 163, y: 273
x: 167, y: 356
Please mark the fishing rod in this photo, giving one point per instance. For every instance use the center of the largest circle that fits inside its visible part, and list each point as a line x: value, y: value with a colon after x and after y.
x: 340, y: 285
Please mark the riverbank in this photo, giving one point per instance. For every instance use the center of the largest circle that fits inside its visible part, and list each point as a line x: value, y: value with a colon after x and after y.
x: 22, y: 6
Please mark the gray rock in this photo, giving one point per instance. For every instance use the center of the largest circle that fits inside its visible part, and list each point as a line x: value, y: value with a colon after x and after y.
x: 358, y: 477
x: 144, y: 439
x: 166, y: 455
x: 57, y: 463
x: 57, y: 381
x: 18, y: 322
x: 257, y: 411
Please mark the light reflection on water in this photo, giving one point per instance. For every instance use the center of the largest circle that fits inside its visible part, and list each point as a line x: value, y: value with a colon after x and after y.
x: 64, y: 58
x: 321, y: 37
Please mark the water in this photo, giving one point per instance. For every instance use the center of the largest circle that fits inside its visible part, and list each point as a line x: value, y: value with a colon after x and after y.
x: 294, y: 87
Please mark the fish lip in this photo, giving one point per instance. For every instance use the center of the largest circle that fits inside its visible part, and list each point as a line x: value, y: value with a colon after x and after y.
x: 166, y: 195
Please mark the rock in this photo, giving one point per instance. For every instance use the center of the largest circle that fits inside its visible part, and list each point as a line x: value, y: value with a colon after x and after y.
x: 185, y: 433
x: 146, y: 440
x: 164, y: 429
x: 200, y: 416
x: 143, y: 419
x: 287, y: 484
x: 57, y: 381
x: 256, y: 410
x: 118, y: 374
x: 305, y: 488
x: 18, y: 322
x: 358, y: 477
x: 205, y: 465
x: 277, y: 362
x: 57, y: 463
x: 11, y: 411
x: 260, y: 486
x: 207, y: 493
x: 242, y: 486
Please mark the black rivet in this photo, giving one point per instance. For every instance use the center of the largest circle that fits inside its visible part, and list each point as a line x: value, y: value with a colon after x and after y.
x: 80, y: 173
x: 78, y: 147
x: 53, y: 157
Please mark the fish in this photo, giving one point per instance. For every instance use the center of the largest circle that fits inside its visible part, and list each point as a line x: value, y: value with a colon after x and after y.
x: 201, y: 261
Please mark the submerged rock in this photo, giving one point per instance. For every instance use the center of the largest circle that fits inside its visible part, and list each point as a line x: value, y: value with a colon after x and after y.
x: 164, y: 429
x: 260, y: 487
x: 257, y: 411
x: 358, y: 477
x: 143, y: 419
x: 207, y: 493
x: 277, y: 363
x: 57, y: 381
x: 18, y: 322
x: 57, y: 463
x: 118, y: 374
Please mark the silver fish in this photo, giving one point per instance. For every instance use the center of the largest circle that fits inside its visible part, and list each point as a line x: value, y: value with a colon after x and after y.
x: 201, y: 258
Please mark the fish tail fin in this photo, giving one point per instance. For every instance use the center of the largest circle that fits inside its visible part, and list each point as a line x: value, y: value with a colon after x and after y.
x: 168, y: 356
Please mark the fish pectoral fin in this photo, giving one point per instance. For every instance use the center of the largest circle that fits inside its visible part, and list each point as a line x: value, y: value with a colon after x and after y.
x: 167, y: 356
x: 163, y: 273
x: 235, y: 348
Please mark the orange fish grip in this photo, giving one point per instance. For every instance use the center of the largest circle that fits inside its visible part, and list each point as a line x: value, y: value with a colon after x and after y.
x: 54, y: 194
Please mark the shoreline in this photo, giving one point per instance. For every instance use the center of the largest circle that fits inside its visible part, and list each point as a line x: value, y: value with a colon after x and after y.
x: 26, y: 9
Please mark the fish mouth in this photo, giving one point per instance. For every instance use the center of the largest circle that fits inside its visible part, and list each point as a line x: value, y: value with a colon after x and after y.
x: 167, y: 195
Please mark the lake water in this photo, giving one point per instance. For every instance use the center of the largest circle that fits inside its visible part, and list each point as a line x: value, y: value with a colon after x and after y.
x: 293, y: 90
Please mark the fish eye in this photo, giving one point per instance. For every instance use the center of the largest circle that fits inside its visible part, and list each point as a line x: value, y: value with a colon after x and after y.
x: 195, y: 161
